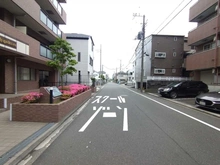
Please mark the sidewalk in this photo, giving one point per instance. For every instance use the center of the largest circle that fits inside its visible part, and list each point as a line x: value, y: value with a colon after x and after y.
x: 16, y: 136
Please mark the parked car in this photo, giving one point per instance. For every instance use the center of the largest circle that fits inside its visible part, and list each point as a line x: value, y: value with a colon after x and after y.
x: 184, y: 88
x: 160, y: 89
x: 210, y: 100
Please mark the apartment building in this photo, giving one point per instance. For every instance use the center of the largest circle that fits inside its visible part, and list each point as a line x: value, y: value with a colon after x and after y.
x: 163, y: 59
x: 27, y: 28
x: 204, y: 63
x: 83, y: 48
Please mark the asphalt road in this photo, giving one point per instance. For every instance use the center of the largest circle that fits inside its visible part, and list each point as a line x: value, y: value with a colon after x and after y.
x: 119, y: 126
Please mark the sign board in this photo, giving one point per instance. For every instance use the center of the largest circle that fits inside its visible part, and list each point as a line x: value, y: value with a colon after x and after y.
x: 8, y: 42
x: 56, y: 91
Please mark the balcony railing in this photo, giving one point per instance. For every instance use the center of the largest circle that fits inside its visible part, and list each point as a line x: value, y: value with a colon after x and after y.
x: 45, y: 52
x: 57, y: 6
x: 50, y: 24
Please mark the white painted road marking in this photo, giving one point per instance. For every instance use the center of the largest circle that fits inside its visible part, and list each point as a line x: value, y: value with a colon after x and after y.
x: 94, y: 108
x: 105, y: 98
x: 122, y: 99
x: 97, y: 100
x: 118, y: 107
x: 113, y: 98
x: 125, y: 120
x: 109, y: 114
x: 198, y: 120
x: 119, y: 98
x: 90, y: 120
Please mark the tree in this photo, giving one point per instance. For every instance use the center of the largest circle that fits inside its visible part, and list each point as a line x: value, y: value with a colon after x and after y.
x: 63, y: 58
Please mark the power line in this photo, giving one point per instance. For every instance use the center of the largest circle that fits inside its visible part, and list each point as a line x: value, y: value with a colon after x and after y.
x: 169, y: 16
x: 175, y: 16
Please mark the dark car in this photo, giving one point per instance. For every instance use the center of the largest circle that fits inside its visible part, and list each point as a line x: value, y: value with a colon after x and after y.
x: 184, y: 88
x: 210, y: 100
x: 167, y: 86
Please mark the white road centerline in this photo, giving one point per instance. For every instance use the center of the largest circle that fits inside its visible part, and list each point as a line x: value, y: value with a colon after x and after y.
x: 198, y: 120
x: 125, y: 120
x: 90, y: 120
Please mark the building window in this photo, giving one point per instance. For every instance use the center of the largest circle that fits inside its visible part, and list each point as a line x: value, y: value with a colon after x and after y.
x: 79, y: 56
x: 174, y: 54
x: 159, y: 71
x: 160, y: 54
x: 26, y: 73
x: 175, y: 39
x: 92, y: 47
x: 91, y: 61
x: 209, y: 46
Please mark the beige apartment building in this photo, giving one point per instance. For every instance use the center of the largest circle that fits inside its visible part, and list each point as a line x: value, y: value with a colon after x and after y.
x: 204, y: 63
x: 27, y: 28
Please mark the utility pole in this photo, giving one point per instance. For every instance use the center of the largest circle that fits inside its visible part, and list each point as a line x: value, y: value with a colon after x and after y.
x: 116, y: 75
x: 216, y: 44
x: 142, y: 52
x: 100, y: 60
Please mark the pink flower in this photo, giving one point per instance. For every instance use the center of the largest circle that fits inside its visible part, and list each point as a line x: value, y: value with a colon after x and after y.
x: 31, y: 97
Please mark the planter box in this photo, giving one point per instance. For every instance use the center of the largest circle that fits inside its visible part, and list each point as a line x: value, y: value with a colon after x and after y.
x: 45, y: 112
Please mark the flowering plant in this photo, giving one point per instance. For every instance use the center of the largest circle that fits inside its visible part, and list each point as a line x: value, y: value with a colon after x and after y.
x: 72, y: 90
x: 32, y: 97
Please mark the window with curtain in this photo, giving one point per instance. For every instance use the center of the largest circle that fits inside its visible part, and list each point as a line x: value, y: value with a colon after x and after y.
x: 26, y: 73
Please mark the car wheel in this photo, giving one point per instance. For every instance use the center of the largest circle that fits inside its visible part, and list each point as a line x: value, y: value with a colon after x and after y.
x: 173, y: 95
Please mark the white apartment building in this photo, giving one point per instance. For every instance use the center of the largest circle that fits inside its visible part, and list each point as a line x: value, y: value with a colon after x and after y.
x: 83, y: 46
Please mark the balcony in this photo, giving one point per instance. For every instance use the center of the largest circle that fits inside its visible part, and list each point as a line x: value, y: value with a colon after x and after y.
x: 54, y: 10
x: 203, y: 33
x: 34, y: 52
x: 202, y: 9
x: 202, y: 60
x: 29, y: 13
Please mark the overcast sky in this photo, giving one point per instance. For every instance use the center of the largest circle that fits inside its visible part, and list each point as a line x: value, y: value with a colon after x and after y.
x: 111, y: 24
